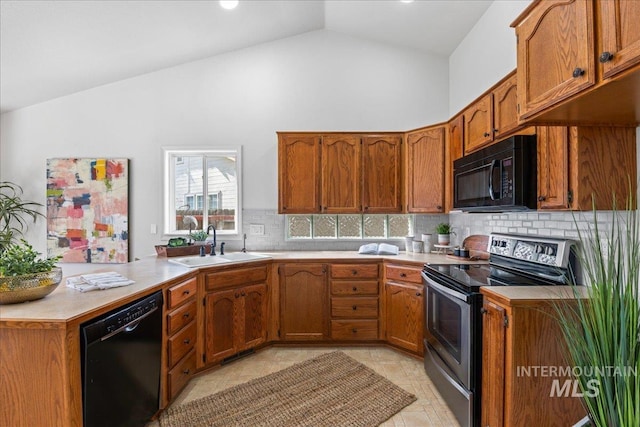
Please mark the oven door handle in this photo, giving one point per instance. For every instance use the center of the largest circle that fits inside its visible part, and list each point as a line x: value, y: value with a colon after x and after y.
x: 445, y: 290
x: 442, y: 367
x: 494, y: 164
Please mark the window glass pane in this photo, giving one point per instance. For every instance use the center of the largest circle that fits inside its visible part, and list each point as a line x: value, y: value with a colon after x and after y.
x: 350, y: 226
x: 222, y: 180
x: 187, y: 182
x: 400, y: 226
x: 324, y: 227
x: 375, y: 226
x: 299, y: 226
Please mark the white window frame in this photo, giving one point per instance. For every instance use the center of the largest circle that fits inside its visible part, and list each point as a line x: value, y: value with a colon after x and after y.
x: 169, y: 153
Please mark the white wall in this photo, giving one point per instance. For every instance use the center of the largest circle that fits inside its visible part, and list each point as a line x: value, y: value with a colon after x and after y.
x: 316, y: 81
x: 486, y: 55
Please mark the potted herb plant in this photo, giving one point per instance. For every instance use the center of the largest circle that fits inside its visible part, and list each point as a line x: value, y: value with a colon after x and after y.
x: 444, y: 231
x: 601, y: 331
x: 199, y: 237
x: 24, y: 276
x: 15, y: 213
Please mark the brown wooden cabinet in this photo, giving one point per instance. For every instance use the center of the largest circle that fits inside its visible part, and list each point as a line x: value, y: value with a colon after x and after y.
x: 235, y: 315
x: 520, y: 334
x: 181, y: 336
x: 339, y: 173
x: 404, y: 306
x: 303, y: 302
x: 298, y: 173
x: 576, y: 163
x: 381, y: 173
x: 568, y: 54
x: 354, y: 301
x: 492, y: 117
x: 425, y: 161
x: 453, y: 153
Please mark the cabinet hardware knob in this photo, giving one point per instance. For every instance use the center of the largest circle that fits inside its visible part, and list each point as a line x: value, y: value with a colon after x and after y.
x: 366, y: 208
x: 243, y: 294
x: 355, y: 307
x: 354, y: 272
x: 354, y: 330
x: 495, y: 130
x: 418, y: 294
x: 439, y: 208
x: 403, y: 274
x: 237, y: 295
x: 542, y: 198
x: 186, y: 315
x: 186, y: 371
x: 578, y: 72
x: 187, y: 341
x: 186, y: 292
x: 486, y: 134
x: 483, y: 310
x: 355, y: 289
x: 605, y: 57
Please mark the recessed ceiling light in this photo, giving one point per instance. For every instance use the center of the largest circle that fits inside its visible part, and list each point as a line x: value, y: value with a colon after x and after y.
x: 406, y: 1
x: 228, y: 4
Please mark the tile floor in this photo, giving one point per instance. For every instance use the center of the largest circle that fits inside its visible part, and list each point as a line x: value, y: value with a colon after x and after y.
x: 428, y: 411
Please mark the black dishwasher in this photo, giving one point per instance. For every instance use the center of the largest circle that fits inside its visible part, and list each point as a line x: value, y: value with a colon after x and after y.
x: 121, y: 358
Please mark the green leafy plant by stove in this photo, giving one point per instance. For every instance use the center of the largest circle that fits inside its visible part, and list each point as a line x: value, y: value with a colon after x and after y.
x: 444, y: 231
x: 602, y: 330
x: 15, y: 213
x: 24, y: 275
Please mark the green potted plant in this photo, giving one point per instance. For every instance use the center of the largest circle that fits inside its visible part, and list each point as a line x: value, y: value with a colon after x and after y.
x: 602, y: 330
x: 199, y: 236
x: 24, y: 275
x: 15, y: 213
x: 444, y: 231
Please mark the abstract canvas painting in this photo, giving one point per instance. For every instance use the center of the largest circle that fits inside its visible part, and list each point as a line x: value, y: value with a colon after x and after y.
x: 88, y: 210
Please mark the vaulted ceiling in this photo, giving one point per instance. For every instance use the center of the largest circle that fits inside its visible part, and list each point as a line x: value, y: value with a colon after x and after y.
x: 50, y: 49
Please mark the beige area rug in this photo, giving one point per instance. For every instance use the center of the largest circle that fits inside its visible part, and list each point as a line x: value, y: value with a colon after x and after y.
x: 330, y: 390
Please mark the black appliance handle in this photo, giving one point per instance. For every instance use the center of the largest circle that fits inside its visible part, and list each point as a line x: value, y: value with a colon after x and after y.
x: 442, y: 367
x: 494, y: 164
x: 443, y: 289
x: 129, y: 327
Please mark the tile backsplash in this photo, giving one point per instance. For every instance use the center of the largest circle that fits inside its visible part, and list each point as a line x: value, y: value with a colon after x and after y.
x: 552, y: 224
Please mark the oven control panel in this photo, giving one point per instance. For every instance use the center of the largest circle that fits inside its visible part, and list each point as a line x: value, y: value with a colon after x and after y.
x: 541, y: 250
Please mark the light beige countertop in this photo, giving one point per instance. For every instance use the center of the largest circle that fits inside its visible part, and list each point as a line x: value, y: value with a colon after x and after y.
x: 65, y: 304
x: 521, y: 295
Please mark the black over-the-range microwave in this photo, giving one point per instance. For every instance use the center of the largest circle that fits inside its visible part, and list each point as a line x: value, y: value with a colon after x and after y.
x: 501, y: 177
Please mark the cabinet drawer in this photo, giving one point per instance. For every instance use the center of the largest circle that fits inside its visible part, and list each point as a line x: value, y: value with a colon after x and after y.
x: 351, y: 271
x: 239, y: 276
x: 180, y: 317
x: 354, y: 307
x: 181, y: 343
x: 354, y: 329
x: 178, y: 377
x: 404, y: 274
x: 179, y: 293
x: 348, y: 287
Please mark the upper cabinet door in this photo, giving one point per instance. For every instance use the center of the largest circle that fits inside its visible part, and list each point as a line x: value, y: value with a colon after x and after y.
x: 425, y: 170
x: 381, y: 174
x: 505, y: 106
x: 478, y: 126
x: 555, y: 53
x: 298, y: 172
x: 553, y: 167
x: 341, y: 174
x: 620, y: 35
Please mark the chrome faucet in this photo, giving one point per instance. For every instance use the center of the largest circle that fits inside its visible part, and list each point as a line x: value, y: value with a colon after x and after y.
x: 213, y: 245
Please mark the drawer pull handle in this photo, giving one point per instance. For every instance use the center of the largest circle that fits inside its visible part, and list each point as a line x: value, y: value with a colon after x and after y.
x: 187, y: 341
x: 355, y: 307
x: 355, y: 289
x: 186, y: 371
x: 186, y: 315
x: 418, y: 294
x: 354, y: 330
x: 243, y: 294
x: 403, y: 274
x: 187, y: 292
x: 354, y: 272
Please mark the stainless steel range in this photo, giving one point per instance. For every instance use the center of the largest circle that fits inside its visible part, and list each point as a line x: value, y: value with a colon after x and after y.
x: 453, y: 334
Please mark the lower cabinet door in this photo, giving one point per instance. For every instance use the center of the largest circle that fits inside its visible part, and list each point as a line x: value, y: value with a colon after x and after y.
x: 405, y: 316
x: 220, y: 314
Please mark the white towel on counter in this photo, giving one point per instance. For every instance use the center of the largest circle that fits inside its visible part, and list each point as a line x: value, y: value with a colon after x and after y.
x: 92, y: 282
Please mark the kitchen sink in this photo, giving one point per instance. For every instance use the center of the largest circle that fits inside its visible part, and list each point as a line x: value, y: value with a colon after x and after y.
x: 203, y: 261
x: 199, y: 261
x: 243, y: 256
